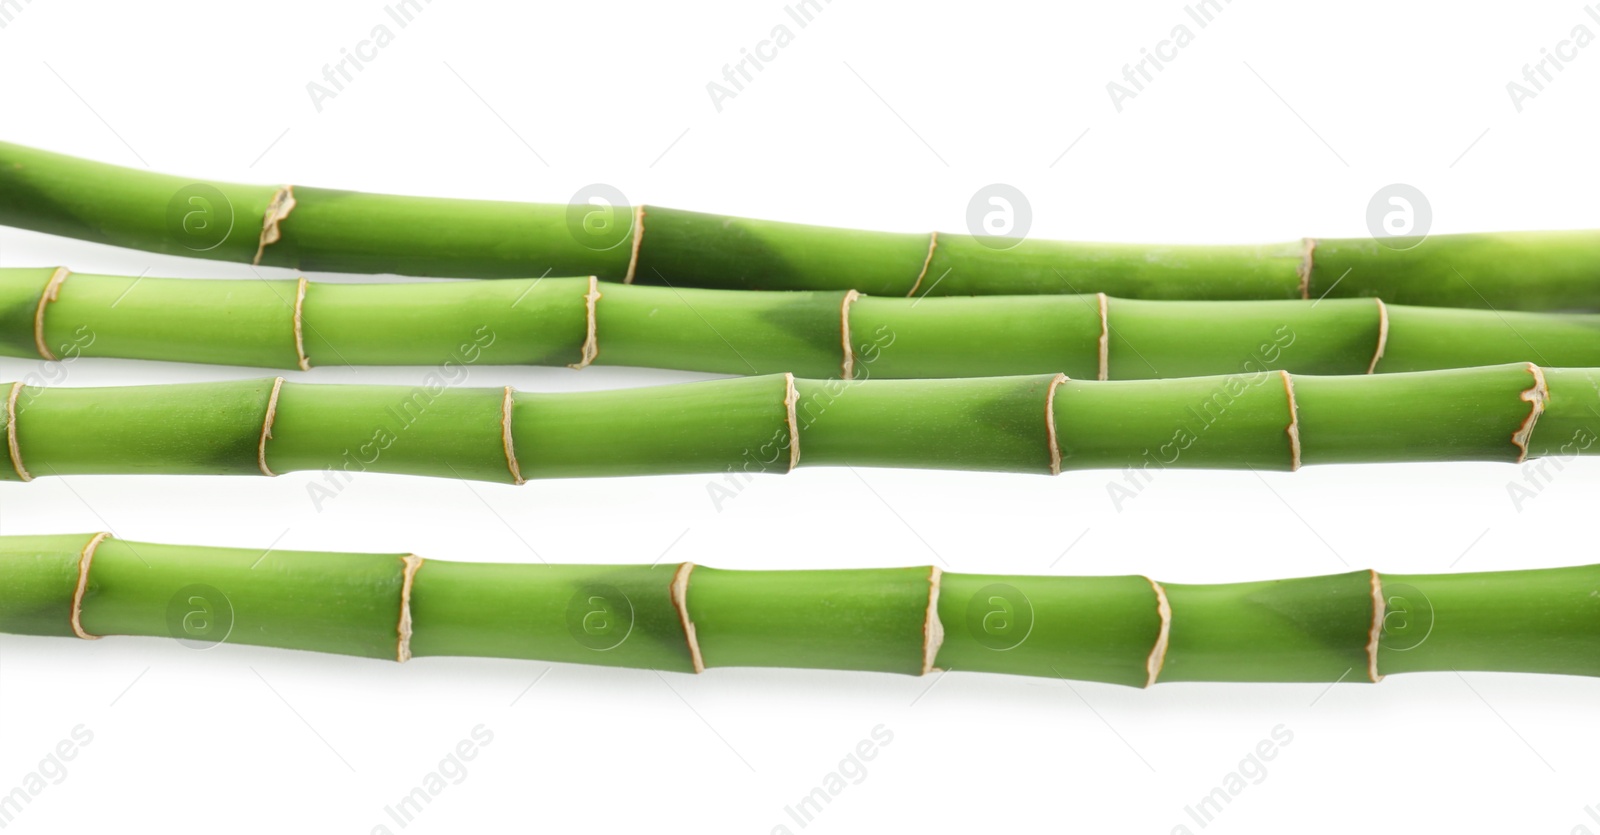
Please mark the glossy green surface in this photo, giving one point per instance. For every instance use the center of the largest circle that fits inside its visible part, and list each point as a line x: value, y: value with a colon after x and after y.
x: 997, y: 266
x: 230, y: 323
x: 984, y: 423
x: 1088, y: 628
x: 374, y: 233
x: 694, y: 249
x: 1539, y: 621
x: 1239, y: 420
x: 716, y: 426
x: 19, y: 304
x: 346, y: 603
x: 985, y: 336
x: 1570, y: 424
x: 1497, y: 270
x: 1305, y: 629
x: 1093, y: 628
x: 327, y: 229
x: 451, y: 325
x: 1468, y: 414
x: 433, y: 430
x: 725, y: 332
x: 850, y: 619
x: 742, y: 424
x: 614, y: 615
x: 185, y: 429
x: 38, y: 574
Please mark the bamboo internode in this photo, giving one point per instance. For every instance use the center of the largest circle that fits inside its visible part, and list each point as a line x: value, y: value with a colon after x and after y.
x: 292, y: 323
x: 343, y: 231
x: 1031, y: 424
x: 1125, y: 630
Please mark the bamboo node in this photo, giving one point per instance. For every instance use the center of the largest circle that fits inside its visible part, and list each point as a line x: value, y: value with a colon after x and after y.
x: 791, y: 399
x: 1050, y: 422
x: 1379, y: 607
x: 932, y: 628
x: 11, y: 433
x: 84, y: 559
x: 1537, y: 397
x: 638, y: 242
x: 266, y: 427
x: 278, y: 208
x: 1293, y: 431
x: 680, y: 601
x: 591, y: 335
x: 408, y: 576
x: 848, y: 367
x: 1158, y: 653
x: 506, y: 440
x: 1307, y: 258
x: 1383, y: 334
x: 52, y: 289
x: 299, y: 325
x: 1105, y: 336
x: 927, y: 261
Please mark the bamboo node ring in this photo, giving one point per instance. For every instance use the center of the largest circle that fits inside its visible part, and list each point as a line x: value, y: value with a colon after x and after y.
x: 408, y: 576
x: 84, y: 559
x: 266, y: 427
x: 278, y: 209
x: 1158, y: 652
x: 932, y: 628
x: 1536, y: 397
x: 52, y: 290
x: 591, y: 337
x: 680, y: 601
x: 848, y: 367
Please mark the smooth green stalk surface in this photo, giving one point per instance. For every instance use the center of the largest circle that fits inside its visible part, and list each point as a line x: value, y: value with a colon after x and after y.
x: 450, y: 325
x: 1128, y: 630
x: 343, y: 231
x: 1038, y: 424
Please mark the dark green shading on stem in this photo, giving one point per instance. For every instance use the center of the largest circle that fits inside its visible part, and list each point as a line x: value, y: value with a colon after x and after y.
x: 1128, y: 630
x: 546, y: 322
x: 345, y: 231
x: 1037, y: 424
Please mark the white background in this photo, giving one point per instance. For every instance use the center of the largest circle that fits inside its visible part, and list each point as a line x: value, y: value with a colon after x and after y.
x: 1279, y: 120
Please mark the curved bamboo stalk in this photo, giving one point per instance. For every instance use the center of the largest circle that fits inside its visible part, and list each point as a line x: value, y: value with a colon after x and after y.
x: 1039, y: 424
x: 293, y: 323
x: 343, y: 231
x: 1357, y: 626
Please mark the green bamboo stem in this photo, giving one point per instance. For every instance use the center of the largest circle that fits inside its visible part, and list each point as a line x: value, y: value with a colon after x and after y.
x: 344, y: 231
x: 774, y: 423
x: 1357, y: 626
x: 293, y: 323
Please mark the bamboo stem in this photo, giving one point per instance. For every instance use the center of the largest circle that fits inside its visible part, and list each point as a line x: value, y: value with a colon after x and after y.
x: 292, y: 323
x: 343, y: 231
x: 1357, y: 626
x: 1039, y: 424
